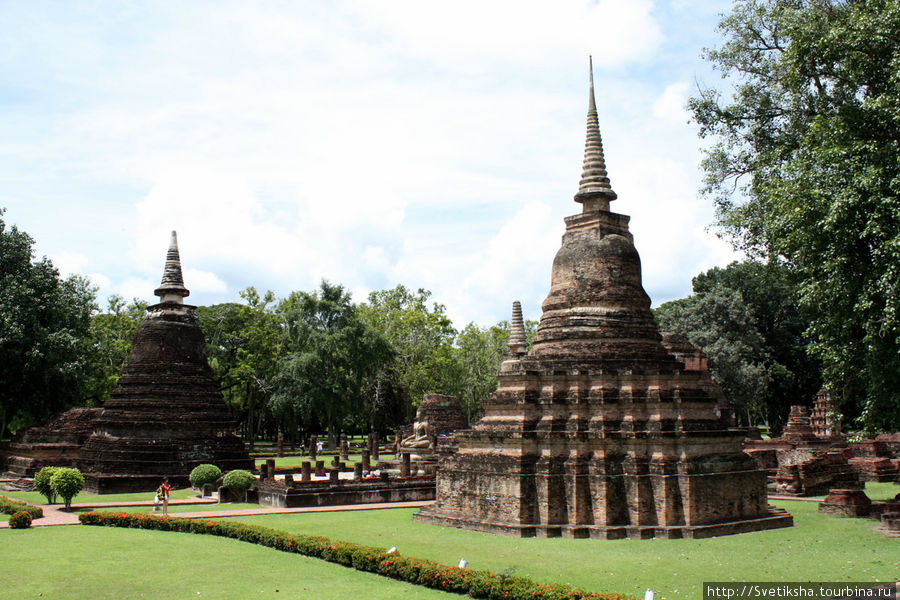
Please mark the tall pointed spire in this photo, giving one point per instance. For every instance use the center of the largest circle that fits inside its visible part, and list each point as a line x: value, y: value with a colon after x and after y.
x: 172, y: 287
x: 517, y: 342
x: 594, y: 190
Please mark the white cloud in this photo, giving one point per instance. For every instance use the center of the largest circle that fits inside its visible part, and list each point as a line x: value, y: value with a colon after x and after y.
x: 670, y: 106
x: 70, y: 263
x: 203, y: 281
x: 370, y: 143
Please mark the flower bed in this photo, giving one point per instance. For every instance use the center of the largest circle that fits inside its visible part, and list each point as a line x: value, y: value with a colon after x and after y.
x: 477, y: 584
x: 10, y: 506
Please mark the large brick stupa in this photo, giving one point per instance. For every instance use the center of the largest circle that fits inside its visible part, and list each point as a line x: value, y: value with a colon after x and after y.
x: 167, y: 414
x: 597, y: 430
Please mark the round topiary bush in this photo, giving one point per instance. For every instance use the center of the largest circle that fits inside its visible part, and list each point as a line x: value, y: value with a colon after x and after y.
x: 203, y: 474
x: 20, y: 520
x: 238, y: 480
x: 67, y: 483
x: 42, y: 484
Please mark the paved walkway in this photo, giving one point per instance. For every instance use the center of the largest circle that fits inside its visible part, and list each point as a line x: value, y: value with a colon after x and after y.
x: 55, y: 515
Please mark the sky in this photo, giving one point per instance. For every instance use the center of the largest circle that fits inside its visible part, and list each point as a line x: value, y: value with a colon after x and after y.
x: 369, y: 143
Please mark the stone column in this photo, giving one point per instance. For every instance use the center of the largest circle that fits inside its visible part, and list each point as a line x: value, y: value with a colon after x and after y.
x: 288, y: 481
x: 320, y: 468
x: 280, y: 444
x: 313, y: 445
x: 270, y: 468
x: 345, y: 447
x: 357, y: 471
x: 305, y: 474
x: 405, y: 465
x: 263, y: 468
x: 365, y: 460
x: 334, y: 476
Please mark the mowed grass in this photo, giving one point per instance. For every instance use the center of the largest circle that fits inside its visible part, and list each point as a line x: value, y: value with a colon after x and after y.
x: 105, y: 563
x: 187, y: 508
x: 118, y: 563
x: 817, y: 548
x: 85, y: 498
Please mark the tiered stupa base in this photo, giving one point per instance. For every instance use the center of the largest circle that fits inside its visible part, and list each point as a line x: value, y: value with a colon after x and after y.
x: 565, y: 454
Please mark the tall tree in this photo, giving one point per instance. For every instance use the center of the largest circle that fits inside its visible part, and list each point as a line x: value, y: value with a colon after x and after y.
x: 805, y: 168
x: 744, y: 317
x: 479, y: 352
x: 331, y: 354
x: 44, y: 323
x: 244, y: 342
x: 421, y: 336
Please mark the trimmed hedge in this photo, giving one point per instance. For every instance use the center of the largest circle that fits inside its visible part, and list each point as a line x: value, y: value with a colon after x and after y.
x: 238, y: 480
x: 11, y: 507
x: 477, y: 584
x: 203, y: 474
x: 20, y: 520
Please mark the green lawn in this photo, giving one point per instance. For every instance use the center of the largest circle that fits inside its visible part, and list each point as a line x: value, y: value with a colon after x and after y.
x: 176, y: 509
x: 84, y: 498
x: 105, y: 563
x: 818, y: 548
x: 114, y: 563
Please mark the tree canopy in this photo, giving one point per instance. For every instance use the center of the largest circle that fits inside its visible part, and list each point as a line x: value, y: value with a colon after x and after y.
x: 745, y: 318
x: 330, y: 354
x: 805, y: 169
x: 44, y: 322
x: 421, y: 338
x: 244, y: 345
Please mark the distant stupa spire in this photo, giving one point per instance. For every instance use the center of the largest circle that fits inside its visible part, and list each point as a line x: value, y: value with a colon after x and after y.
x: 594, y: 190
x: 172, y: 287
x: 517, y: 342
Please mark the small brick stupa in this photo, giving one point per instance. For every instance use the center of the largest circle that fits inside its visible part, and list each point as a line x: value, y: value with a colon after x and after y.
x: 166, y: 415
x: 598, y: 431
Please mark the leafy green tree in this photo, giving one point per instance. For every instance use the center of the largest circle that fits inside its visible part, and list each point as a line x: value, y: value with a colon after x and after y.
x: 44, y: 323
x: 720, y: 324
x: 244, y: 343
x: 479, y: 351
x: 804, y: 168
x: 330, y: 355
x: 421, y: 337
x: 41, y: 483
x: 66, y: 483
x: 110, y: 337
x: 745, y: 317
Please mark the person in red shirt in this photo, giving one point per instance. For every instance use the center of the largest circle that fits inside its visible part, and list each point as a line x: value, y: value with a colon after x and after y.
x: 164, y: 490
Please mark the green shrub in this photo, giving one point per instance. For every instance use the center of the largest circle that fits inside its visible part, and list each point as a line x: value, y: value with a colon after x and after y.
x: 42, y: 484
x: 238, y: 480
x: 477, y: 584
x: 66, y: 483
x: 11, y: 506
x: 203, y: 474
x: 20, y: 520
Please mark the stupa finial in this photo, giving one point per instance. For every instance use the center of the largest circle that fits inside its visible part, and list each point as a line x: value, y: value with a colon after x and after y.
x: 594, y: 190
x: 517, y: 342
x: 172, y: 287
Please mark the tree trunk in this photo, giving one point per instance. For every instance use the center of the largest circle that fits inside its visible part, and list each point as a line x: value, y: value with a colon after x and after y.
x: 251, y: 429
